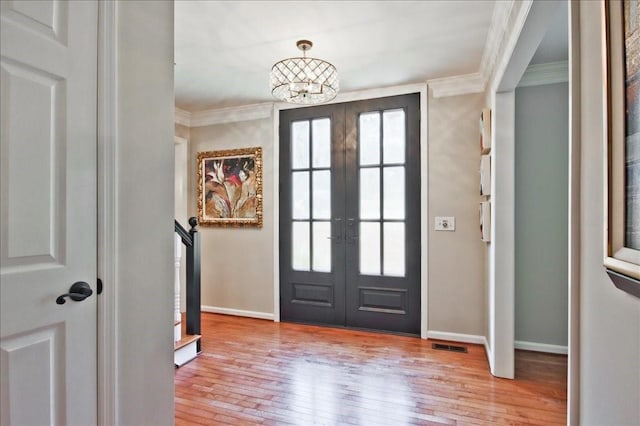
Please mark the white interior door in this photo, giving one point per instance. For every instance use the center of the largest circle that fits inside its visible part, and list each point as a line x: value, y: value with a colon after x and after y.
x: 48, y: 212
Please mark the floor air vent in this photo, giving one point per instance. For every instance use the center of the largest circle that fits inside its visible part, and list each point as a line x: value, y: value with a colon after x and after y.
x: 451, y: 348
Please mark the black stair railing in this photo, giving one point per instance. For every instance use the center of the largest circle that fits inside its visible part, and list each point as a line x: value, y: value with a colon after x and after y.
x: 191, y: 239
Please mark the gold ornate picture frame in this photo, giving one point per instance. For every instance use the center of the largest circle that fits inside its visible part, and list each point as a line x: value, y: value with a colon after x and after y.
x: 622, y: 172
x: 230, y: 188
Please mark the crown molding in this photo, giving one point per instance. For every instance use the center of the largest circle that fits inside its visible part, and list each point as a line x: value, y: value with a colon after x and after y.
x: 513, y: 27
x: 223, y: 115
x: 231, y: 115
x: 549, y: 73
x: 358, y: 95
x: 499, y: 30
x: 457, y: 85
x: 182, y: 117
x: 499, y: 22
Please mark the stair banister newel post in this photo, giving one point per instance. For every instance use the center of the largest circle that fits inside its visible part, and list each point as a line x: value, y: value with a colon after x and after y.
x: 193, y: 281
x: 187, y: 347
x: 177, y: 317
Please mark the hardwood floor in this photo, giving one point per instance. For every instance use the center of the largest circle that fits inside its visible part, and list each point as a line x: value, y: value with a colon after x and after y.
x: 260, y: 372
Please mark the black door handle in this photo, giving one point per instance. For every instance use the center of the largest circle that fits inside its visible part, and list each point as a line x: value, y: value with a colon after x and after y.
x: 351, y: 239
x: 78, y: 292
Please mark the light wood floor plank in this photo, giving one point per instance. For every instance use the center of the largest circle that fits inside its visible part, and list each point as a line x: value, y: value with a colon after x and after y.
x: 260, y: 372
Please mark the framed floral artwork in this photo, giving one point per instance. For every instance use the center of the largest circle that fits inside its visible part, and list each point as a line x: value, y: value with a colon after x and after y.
x: 230, y: 188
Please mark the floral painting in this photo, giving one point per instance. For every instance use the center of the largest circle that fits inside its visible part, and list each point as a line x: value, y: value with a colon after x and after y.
x: 230, y: 187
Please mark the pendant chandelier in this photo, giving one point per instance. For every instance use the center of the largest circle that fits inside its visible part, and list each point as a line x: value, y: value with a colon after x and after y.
x: 304, y: 80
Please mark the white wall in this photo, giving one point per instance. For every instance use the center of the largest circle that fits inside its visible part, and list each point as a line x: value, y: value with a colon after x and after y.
x: 144, y: 261
x: 609, y: 328
x: 541, y: 209
x: 456, y: 259
x: 237, y: 263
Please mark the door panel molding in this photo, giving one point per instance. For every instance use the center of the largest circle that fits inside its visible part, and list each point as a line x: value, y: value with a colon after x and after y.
x: 38, y: 95
x: 391, y: 301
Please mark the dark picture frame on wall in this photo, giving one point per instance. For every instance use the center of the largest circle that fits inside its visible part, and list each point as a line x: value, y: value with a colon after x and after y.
x: 622, y: 172
x: 230, y: 188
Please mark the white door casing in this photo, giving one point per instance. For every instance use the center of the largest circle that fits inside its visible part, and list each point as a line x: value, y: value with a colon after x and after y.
x: 48, y: 212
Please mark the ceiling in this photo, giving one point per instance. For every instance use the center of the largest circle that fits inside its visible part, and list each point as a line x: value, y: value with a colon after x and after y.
x: 554, y: 47
x: 224, y: 50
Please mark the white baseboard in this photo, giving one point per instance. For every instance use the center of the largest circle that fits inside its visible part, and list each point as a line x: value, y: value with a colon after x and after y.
x: 541, y: 347
x: 455, y: 337
x: 237, y: 312
x: 487, y: 350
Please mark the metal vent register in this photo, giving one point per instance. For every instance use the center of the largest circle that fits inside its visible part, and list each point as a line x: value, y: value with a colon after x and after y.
x: 451, y: 348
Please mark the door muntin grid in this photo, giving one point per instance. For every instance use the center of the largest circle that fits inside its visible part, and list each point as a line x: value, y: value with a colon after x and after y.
x: 382, y: 196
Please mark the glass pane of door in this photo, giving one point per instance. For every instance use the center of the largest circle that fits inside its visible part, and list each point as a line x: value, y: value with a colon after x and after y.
x: 300, y: 246
x: 300, y: 195
x: 321, y: 190
x: 369, y: 248
x: 394, y: 202
x: 322, y: 246
x: 393, y: 139
x: 393, y: 255
x: 369, y: 138
x: 321, y: 142
x: 300, y: 145
x: 370, y: 193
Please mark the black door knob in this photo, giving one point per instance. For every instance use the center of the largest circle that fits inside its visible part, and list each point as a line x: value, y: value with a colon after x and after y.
x: 77, y: 292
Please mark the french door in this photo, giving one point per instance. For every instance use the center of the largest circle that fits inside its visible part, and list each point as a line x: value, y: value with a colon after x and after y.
x: 350, y: 214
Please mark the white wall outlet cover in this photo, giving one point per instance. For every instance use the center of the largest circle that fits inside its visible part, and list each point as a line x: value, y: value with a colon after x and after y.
x: 445, y: 223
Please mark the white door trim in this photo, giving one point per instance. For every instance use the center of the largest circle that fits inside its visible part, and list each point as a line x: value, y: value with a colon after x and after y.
x: 424, y: 189
x: 107, y: 213
x: 276, y: 212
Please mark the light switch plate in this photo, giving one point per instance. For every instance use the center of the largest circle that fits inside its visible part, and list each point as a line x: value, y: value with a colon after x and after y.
x: 445, y: 223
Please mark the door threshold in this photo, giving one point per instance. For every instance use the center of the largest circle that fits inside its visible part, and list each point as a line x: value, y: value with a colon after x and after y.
x: 344, y: 327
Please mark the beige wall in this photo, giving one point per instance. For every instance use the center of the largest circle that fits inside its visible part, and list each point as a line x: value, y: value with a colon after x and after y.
x: 144, y: 223
x: 609, y: 318
x: 456, y: 259
x: 237, y: 264
x: 456, y: 291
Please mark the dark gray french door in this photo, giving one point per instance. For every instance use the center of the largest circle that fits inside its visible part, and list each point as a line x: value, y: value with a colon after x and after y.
x: 350, y: 214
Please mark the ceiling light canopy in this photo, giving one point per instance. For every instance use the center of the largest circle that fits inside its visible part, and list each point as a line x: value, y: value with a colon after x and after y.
x: 304, y: 80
